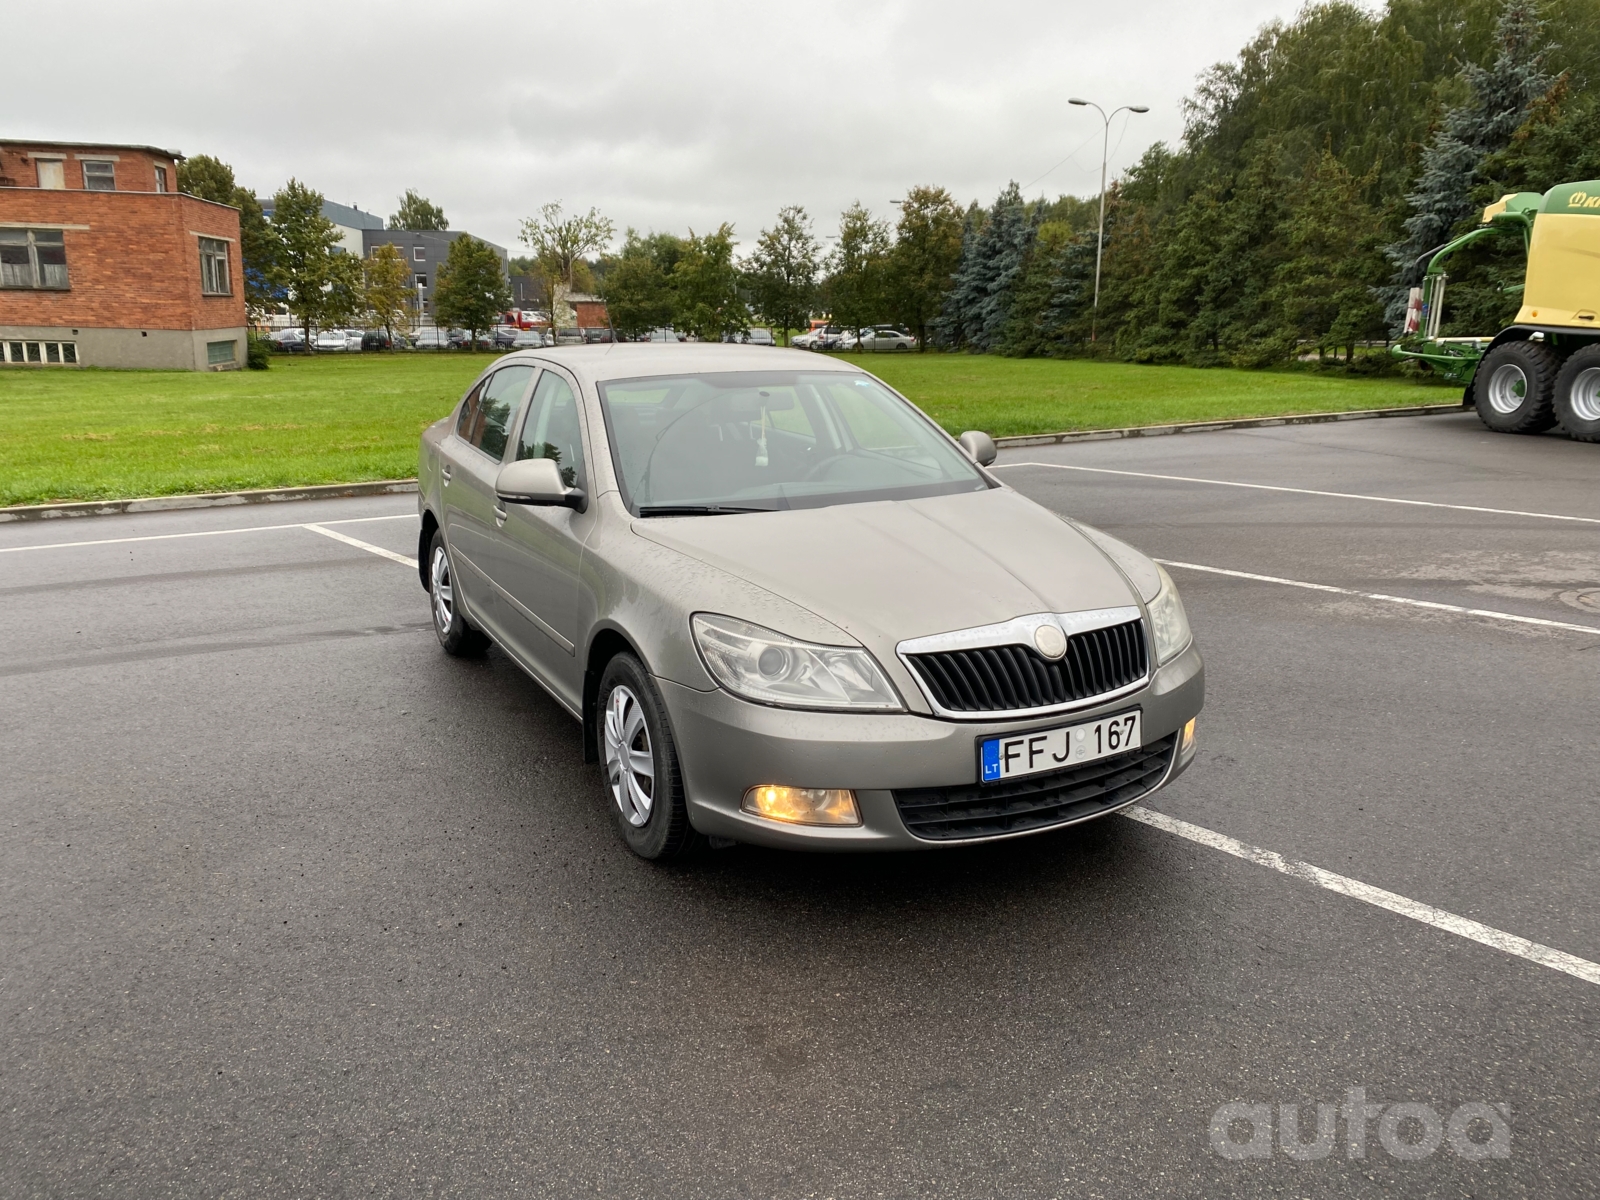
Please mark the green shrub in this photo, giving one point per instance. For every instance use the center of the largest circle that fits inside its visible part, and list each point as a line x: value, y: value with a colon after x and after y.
x: 258, y: 353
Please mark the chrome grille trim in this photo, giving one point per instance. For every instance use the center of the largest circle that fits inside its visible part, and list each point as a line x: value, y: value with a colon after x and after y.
x: 1019, y: 633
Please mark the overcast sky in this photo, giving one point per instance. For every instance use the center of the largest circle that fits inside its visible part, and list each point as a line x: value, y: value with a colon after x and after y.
x: 664, y: 116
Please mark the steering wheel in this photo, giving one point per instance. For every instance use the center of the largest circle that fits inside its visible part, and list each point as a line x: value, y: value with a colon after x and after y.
x: 817, y: 468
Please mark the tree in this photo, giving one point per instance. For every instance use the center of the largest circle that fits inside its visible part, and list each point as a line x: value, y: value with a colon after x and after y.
x: 1501, y: 96
x: 857, y: 284
x: 782, y: 272
x: 638, y: 286
x: 560, y: 243
x: 470, y: 289
x: 1327, y: 284
x: 993, y: 256
x: 386, y: 288
x: 212, y: 179
x: 418, y: 213
x: 321, y: 284
x: 927, y: 250
x: 705, y: 287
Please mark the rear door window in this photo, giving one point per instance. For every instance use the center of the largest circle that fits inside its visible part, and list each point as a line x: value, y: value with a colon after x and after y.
x: 487, y: 415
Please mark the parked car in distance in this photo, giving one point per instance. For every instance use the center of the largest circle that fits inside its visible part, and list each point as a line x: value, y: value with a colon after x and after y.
x: 505, y: 336
x: 885, y: 337
x: 530, y: 339
x: 379, y: 339
x: 598, y: 336
x: 752, y: 337
x: 291, y: 341
x: 662, y: 335
x: 331, y: 339
x: 432, y: 338
x: 569, y: 337
x: 807, y: 617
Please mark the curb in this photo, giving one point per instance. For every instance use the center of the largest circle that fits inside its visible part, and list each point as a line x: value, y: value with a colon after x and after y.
x: 1100, y: 435
x: 111, y: 508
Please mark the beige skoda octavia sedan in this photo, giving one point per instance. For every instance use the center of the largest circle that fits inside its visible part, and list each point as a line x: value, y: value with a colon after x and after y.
x: 789, y: 609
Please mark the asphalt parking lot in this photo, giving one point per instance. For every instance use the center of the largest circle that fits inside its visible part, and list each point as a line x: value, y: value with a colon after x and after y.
x: 292, y: 904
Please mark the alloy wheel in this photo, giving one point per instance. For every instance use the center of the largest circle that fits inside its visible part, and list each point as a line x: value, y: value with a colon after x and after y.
x: 443, y: 590
x: 630, y: 765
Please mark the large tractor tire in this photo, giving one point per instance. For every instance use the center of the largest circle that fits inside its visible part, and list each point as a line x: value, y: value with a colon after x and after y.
x: 1515, y: 388
x: 1577, y: 398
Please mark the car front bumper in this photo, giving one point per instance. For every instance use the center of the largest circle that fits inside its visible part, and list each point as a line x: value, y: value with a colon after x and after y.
x: 727, y: 745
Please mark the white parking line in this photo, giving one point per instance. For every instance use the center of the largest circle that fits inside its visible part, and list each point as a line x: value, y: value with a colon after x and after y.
x: 1498, y: 939
x: 360, y: 545
x: 162, y: 537
x: 1267, y: 487
x: 1490, y: 613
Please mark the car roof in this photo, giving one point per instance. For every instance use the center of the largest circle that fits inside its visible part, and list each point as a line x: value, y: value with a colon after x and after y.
x: 597, y: 363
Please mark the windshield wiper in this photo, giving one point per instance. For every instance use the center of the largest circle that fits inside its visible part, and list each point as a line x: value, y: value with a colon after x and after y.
x: 695, y: 510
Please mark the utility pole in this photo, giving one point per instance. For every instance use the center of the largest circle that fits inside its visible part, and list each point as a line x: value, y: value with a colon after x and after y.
x: 1100, y: 244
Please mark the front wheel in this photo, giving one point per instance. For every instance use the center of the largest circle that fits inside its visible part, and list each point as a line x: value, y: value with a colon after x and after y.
x: 640, y: 759
x: 449, y: 623
x: 1578, y: 395
x: 1515, y: 387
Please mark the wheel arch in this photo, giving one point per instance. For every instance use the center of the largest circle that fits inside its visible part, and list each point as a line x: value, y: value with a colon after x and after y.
x: 430, y: 525
x: 606, y: 642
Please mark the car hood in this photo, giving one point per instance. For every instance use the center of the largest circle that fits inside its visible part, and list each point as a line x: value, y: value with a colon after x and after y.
x: 892, y: 570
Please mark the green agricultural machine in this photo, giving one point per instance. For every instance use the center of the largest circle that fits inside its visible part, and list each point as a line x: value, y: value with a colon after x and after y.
x: 1545, y: 369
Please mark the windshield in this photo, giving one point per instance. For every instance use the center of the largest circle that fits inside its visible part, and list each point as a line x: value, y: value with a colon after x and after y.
x: 757, y: 440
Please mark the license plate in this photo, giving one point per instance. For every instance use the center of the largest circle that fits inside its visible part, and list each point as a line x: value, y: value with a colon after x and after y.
x: 1056, y: 749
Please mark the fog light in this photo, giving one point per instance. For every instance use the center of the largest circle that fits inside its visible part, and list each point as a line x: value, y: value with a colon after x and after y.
x: 1186, y: 742
x: 803, y: 806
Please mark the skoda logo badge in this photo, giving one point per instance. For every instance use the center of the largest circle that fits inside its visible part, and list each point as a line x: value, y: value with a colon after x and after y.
x: 1051, y: 641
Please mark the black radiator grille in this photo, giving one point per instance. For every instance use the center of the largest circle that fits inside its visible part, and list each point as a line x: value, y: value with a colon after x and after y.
x: 1008, y: 678
x: 1037, y: 802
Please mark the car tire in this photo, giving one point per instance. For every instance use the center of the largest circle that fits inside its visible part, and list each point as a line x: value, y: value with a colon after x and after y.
x: 1577, y: 399
x: 450, y: 624
x: 1514, y: 391
x: 643, y: 782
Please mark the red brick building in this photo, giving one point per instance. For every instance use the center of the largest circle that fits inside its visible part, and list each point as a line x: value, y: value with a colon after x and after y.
x: 104, y: 263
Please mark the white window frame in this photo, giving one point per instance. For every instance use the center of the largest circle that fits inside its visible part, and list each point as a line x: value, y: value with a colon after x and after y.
x: 161, y: 178
x: 109, y: 163
x: 216, y: 268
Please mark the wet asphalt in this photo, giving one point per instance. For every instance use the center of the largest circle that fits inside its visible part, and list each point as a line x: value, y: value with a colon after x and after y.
x: 294, y: 905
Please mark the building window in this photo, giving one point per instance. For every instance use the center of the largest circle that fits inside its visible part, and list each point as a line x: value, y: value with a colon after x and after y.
x: 40, y: 353
x: 52, y: 173
x: 422, y: 281
x: 214, y: 267
x: 32, y: 258
x: 221, y: 353
x: 99, y: 175
x: 161, y: 179
x: 418, y: 254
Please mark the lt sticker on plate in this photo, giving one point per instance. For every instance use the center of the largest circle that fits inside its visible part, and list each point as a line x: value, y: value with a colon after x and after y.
x: 1059, y: 748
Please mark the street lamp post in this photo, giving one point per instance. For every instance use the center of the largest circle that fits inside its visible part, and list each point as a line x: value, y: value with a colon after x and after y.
x: 1100, y: 243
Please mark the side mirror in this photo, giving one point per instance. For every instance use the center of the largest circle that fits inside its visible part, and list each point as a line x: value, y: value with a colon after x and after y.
x: 979, y: 446
x: 536, y: 481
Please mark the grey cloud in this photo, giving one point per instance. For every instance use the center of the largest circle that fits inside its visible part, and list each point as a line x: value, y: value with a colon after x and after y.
x: 663, y: 116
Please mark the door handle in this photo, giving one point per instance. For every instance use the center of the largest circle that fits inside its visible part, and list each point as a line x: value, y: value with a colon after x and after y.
x: 444, y: 474
x: 499, y: 516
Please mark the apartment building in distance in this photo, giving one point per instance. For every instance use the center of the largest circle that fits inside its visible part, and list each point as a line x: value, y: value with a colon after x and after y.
x: 426, y: 251
x: 104, y: 263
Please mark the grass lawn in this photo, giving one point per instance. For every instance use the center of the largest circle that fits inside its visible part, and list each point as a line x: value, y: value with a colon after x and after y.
x: 1010, y: 396
x: 67, y: 435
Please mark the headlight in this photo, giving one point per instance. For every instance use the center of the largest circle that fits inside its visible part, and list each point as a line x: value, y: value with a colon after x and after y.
x: 759, y: 664
x: 1169, y: 624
